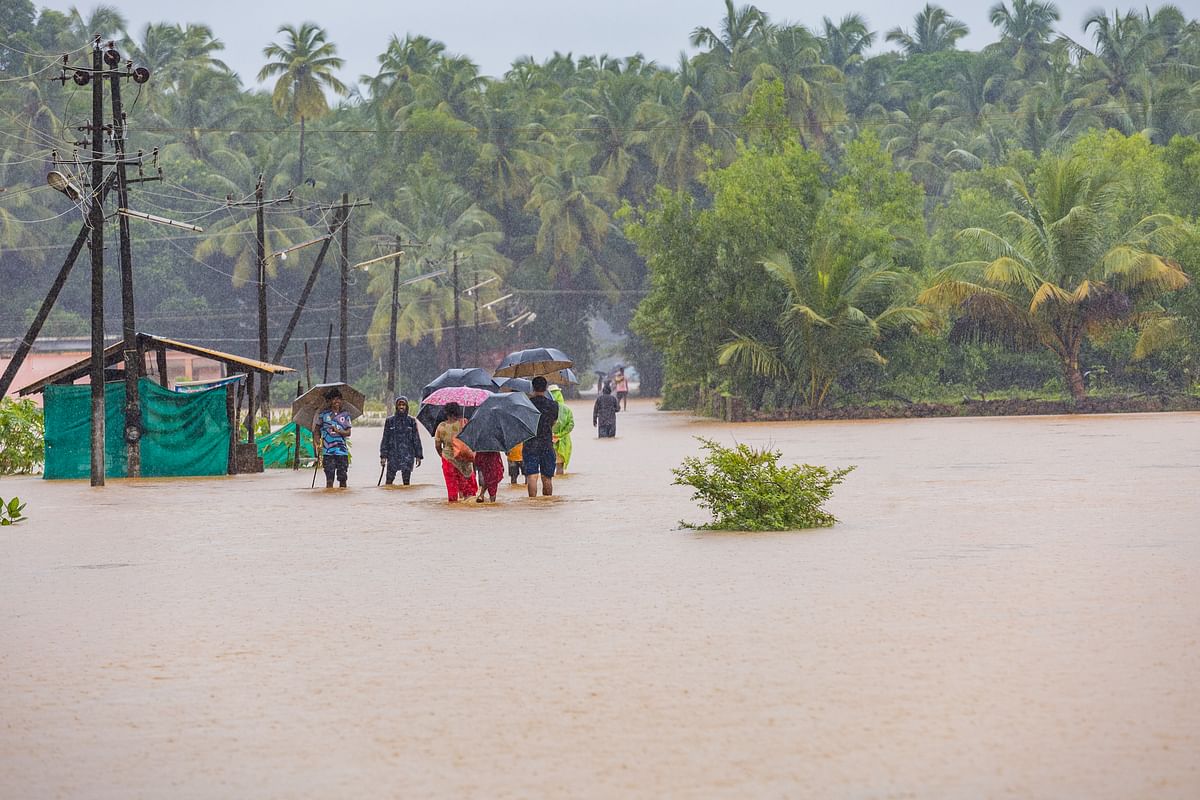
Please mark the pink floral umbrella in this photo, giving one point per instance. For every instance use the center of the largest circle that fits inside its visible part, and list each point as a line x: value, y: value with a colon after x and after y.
x: 431, y: 412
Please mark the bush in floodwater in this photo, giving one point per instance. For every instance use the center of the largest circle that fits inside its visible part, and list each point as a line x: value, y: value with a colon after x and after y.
x: 10, y: 512
x: 21, y: 432
x: 746, y: 489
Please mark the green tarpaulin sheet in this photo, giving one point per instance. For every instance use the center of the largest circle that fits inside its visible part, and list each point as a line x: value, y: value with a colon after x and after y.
x: 276, y: 449
x: 183, y: 434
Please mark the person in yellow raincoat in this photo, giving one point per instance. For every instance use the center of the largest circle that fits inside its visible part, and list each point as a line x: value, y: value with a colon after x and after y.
x: 514, y: 463
x: 562, y: 430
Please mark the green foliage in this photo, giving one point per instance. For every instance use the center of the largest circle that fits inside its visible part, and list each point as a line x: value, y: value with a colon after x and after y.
x: 746, y: 489
x: 10, y: 511
x: 21, y: 434
x: 774, y: 135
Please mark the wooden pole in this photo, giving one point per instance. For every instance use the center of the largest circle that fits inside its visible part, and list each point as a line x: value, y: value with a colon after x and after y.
x: 457, y: 347
x: 475, y: 297
x: 296, y: 444
x: 261, y: 237
x: 96, y: 221
x: 342, y: 297
x: 307, y: 367
x: 39, y: 319
x: 231, y: 414
x: 308, y: 287
x: 391, y: 381
x: 161, y: 361
x: 328, y: 347
x: 133, y: 409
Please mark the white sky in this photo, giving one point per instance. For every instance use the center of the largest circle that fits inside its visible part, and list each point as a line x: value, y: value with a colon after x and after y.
x: 495, y: 32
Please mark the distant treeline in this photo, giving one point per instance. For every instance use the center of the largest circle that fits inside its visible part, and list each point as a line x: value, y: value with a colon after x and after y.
x: 781, y: 216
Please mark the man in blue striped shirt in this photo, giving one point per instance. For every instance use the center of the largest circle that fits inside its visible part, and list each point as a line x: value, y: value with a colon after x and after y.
x: 334, y: 424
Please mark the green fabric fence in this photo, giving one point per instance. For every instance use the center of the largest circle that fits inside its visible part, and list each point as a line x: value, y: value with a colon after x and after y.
x: 277, y: 449
x: 182, y: 434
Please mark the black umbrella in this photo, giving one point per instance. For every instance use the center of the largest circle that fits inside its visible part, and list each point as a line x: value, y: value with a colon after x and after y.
x: 501, y: 423
x: 472, y: 376
x: 534, y: 362
x: 562, y: 377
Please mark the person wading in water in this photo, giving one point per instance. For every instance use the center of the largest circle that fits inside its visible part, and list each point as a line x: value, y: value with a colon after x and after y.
x: 538, y: 456
x: 400, y: 448
x: 334, y: 424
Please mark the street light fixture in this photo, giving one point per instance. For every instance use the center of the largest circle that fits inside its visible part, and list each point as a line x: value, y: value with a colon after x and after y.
x: 126, y: 212
x: 365, y: 264
x: 282, y: 254
x: 61, y: 183
x: 422, y: 277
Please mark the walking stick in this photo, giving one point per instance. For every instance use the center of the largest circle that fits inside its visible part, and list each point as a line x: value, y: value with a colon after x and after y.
x: 380, y: 481
x: 317, y: 451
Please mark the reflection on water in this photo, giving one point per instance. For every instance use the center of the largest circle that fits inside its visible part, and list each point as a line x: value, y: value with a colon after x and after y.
x: 1007, y: 609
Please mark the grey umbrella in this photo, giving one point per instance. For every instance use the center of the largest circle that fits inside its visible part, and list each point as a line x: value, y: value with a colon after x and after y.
x: 471, y: 376
x: 533, y: 362
x: 501, y: 423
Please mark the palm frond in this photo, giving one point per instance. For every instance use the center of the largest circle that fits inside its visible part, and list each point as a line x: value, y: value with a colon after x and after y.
x: 1049, y: 295
x: 1009, y: 271
x: 1157, y: 333
x: 749, y: 353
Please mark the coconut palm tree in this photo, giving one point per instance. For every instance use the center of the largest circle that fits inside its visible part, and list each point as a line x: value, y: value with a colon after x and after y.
x: 741, y: 28
x: 844, y: 45
x: 793, y: 57
x: 104, y: 21
x: 1066, y: 276
x: 1025, y: 29
x: 681, y: 120
x: 835, y: 313
x: 572, y: 221
x: 445, y: 220
x: 934, y: 31
x: 230, y: 239
x: 619, y: 146
x: 304, y: 63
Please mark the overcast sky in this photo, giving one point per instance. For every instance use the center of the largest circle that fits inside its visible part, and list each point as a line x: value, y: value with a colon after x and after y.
x: 495, y: 32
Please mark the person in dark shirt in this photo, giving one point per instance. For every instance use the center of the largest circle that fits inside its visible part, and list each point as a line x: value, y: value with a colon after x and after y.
x: 400, y: 448
x: 604, y: 413
x: 538, y: 452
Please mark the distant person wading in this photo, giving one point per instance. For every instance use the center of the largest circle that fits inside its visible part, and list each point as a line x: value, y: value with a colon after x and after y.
x: 604, y: 413
x: 621, y: 384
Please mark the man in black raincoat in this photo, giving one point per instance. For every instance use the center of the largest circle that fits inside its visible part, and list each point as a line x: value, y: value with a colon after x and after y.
x: 400, y: 448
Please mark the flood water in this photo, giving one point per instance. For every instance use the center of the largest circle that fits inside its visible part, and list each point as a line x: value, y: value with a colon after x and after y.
x: 1008, y: 608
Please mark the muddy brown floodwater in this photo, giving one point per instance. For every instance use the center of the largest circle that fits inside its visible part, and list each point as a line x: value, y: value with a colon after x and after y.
x: 1009, y: 608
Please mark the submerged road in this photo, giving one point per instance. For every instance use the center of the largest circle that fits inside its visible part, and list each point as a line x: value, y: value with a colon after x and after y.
x: 1008, y: 608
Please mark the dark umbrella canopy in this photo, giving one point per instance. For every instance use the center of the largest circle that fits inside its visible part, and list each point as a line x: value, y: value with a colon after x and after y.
x: 472, y: 376
x: 501, y: 423
x: 516, y: 385
x: 562, y: 377
x: 306, y: 407
x: 533, y: 362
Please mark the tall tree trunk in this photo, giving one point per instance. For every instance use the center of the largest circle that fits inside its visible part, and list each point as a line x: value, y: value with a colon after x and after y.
x: 1070, y: 364
x: 300, y: 177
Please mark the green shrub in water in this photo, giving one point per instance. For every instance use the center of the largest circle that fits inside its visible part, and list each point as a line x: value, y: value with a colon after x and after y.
x: 746, y: 489
x: 10, y: 512
x: 21, y: 433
